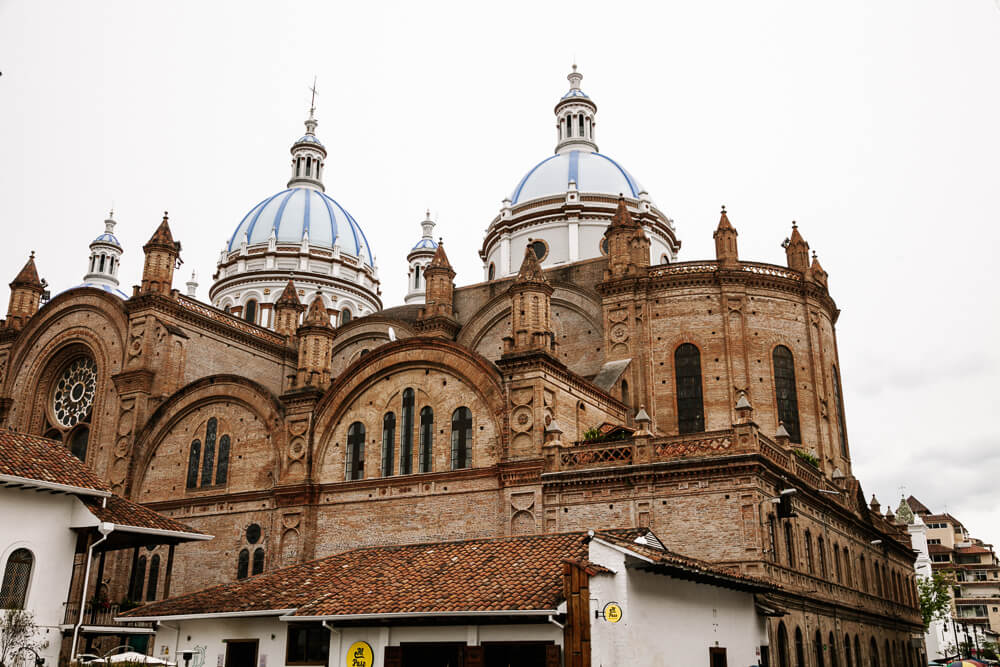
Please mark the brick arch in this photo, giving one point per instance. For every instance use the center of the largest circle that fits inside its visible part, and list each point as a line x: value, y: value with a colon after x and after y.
x: 429, y: 353
x: 368, y: 333
x: 250, y: 395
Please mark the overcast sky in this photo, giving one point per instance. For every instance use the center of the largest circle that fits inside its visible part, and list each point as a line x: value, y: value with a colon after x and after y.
x: 874, y: 124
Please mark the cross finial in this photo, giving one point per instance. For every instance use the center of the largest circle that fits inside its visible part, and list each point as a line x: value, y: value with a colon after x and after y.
x: 312, y: 102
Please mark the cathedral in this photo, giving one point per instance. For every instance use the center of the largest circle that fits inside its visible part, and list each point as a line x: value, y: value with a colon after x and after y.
x: 593, y: 379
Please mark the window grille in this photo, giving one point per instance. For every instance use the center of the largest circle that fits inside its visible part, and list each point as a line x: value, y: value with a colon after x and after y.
x: 690, y: 407
x: 16, y: 575
x: 784, y: 390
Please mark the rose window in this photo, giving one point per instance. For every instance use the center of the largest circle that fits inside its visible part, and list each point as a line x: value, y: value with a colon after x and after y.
x: 74, y: 393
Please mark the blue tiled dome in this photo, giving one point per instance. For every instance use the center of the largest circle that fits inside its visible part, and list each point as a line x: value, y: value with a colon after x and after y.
x: 107, y: 288
x: 575, y: 92
x: 430, y: 244
x: 294, y: 211
x: 308, y: 139
x: 593, y: 173
x: 107, y: 238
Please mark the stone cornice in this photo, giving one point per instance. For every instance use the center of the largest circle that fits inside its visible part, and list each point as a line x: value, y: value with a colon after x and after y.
x: 541, y: 360
x: 301, y: 277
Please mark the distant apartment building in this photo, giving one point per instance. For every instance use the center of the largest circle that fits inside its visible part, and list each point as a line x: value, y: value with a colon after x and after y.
x: 976, y: 588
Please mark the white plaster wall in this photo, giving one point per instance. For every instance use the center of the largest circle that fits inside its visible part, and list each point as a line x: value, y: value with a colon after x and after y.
x: 40, y: 522
x: 667, y: 621
x: 209, y: 635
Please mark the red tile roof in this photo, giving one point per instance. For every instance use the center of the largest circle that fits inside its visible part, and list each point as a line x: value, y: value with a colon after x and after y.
x: 939, y: 549
x: 500, y: 575
x: 124, y: 514
x: 44, y: 460
x: 974, y: 549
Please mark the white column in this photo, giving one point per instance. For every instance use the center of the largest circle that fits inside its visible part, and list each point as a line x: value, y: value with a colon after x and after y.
x: 504, y: 268
x: 573, y: 234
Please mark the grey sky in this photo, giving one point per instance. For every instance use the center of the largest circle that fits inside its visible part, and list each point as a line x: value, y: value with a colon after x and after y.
x: 876, y: 125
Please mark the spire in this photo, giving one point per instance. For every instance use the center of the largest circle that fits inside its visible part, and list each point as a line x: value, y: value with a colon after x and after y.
x: 162, y: 235
x: 427, y: 226
x: 192, y: 285
x: 162, y: 254
x: 289, y: 295
x: 622, y: 216
x: 816, y: 272
x: 726, y: 251
x: 286, y: 310
x: 25, y: 295
x: 530, y: 309
x: 317, y: 315
x: 628, y: 245
x: 796, y: 251
x: 437, y: 317
x: 575, y: 118
x: 531, y: 270
x: 28, y: 275
x: 105, y: 256
x: 315, y: 343
x: 308, y: 153
x: 418, y: 259
x: 440, y: 259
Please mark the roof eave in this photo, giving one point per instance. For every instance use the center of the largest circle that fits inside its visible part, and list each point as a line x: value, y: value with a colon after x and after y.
x: 17, y: 481
x: 422, y: 614
x: 196, y: 617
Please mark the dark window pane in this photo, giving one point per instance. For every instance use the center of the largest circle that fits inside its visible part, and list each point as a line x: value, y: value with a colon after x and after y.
x: 690, y: 408
x: 253, y: 533
x: 406, y: 435
x: 250, y: 311
x: 78, y: 443
x: 840, y: 412
x: 154, y: 578
x: 356, y: 451
x: 194, y: 460
x: 540, y: 249
x: 388, y: 442
x: 784, y: 390
x: 345, y: 317
x: 258, y: 561
x: 138, y: 579
x: 222, y: 472
x: 461, y: 438
x: 208, y: 463
x: 243, y: 564
x: 16, y: 575
x: 308, y: 644
x: 426, y: 438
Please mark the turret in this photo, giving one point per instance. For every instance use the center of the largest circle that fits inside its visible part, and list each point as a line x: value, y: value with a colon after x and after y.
x: 575, y: 122
x: 25, y: 295
x: 796, y: 251
x: 308, y: 155
x: 726, y: 251
x: 418, y: 259
x: 315, y: 346
x: 287, y: 310
x: 437, y: 317
x: 105, y: 256
x: 816, y: 272
x: 162, y: 253
x: 531, y: 312
x: 628, y: 245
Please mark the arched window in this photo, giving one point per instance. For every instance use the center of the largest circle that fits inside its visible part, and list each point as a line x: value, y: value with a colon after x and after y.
x: 416, y: 277
x: 878, y: 579
x: 154, y: 577
x: 138, y: 579
x: 388, y: 442
x: 101, y: 266
x: 345, y: 317
x: 857, y: 651
x: 847, y: 651
x: 356, y: 451
x: 864, y: 574
x: 208, y: 456
x: 222, y: 471
x: 782, y: 645
x: 406, y: 434
x: 461, y: 438
x: 809, y: 553
x: 16, y: 576
x: 625, y: 396
x: 772, y: 532
x: 873, y: 652
x: 818, y: 649
x: 426, y: 438
x: 569, y: 126
x: 258, y: 561
x: 821, y: 547
x: 800, y: 649
x: 836, y: 563
x: 848, y: 575
x: 243, y: 564
x: 888, y: 654
x: 250, y: 311
x: 784, y: 390
x: 78, y: 442
x: 833, y: 651
x: 789, y: 545
x: 491, y: 272
x: 581, y: 124
x: 194, y: 461
x: 690, y: 408
x: 839, y: 399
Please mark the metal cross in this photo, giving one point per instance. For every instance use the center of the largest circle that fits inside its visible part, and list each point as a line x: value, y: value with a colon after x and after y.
x: 312, y: 103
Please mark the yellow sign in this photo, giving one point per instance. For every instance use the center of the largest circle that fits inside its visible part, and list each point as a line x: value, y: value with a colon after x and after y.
x: 360, y: 655
x: 612, y: 612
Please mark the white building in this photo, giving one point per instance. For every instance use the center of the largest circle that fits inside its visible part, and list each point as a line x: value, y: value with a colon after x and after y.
x: 54, y: 508
x: 617, y: 597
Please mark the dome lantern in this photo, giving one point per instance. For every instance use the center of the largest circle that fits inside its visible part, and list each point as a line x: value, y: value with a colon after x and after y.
x: 105, y: 255
x: 308, y: 154
x: 575, y: 121
x: 418, y: 258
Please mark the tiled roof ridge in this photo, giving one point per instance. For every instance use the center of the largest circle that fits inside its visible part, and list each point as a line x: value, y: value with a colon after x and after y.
x: 45, y: 460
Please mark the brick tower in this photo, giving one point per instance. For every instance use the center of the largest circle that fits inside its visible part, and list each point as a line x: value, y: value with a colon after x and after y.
x: 25, y: 295
x: 162, y: 253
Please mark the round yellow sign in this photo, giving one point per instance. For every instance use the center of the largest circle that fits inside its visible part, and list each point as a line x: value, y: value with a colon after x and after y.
x: 612, y: 612
x: 360, y: 655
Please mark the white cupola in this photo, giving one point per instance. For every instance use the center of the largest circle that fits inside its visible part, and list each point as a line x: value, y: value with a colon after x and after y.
x: 575, y: 122
x: 419, y: 257
x: 308, y: 157
x: 105, y: 255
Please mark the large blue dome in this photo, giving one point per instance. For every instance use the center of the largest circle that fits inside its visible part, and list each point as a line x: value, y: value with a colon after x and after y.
x: 593, y: 172
x: 294, y: 211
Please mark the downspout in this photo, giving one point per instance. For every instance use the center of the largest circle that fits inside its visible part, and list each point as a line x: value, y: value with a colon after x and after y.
x: 556, y: 623
x: 340, y: 637
x: 105, y: 529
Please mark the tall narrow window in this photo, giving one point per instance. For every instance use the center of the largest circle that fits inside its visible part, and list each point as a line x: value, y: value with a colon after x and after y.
x: 818, y: 649
x: 154, y: 577
x: 864, y: 574
x: 581, y: 125
x: 625, y: 396
x: 878, y: 579
x: 789, y: 545
x: 690, y: 409
x: 194, y: 460
x: 78, y: 442
x: 208, y: 460
x: 356, y: 451
x: 782, y: 645
x: 406, y: 434
x: 138, y: 579
x: 784, y: 390
x: 416, y: 277
x: 857, y: 651
x: 800, y: 649
x: 258, y: 561
x: 16, y: 575
x: 461, y: 438
x: 836, y: 563
x: 309, y: 166
x: 101, y: 268
x: 847, y: 651
x: 426, y: 438
x: 833, y: 651
x: 839, y: 399
x: 569, y: 126
x: 873, y: 652
x: 848, y: 574
x: 821, y: 548
x: 809, y: 553
x: 388, y: 442
x: 222, y: 472
x: 243, y: 564
x: 250, y: 311
x: 773, y: 534
x: 345, y: 317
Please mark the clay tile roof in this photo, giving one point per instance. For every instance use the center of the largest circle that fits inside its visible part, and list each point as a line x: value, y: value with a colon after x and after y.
x: 531, y: 270
x: 289, y: 296
x: 917, y: 506
x: 938, y: 549
x: 974, y: 549
x: 440, y: 259
x: 162, y: 235
x: 124, y: 513
x: 43, y: 460
x: 28, y: 275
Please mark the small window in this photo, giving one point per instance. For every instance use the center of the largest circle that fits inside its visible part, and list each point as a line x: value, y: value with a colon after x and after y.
x: 604, y: 246
x: 16, y: 576
x: 388, y: 442
x: 78, y: 442
x: 258, y: 561
x: 492, y: 272
x: 416, y: 277
x: 154, y: 577
x: 461, y: 438
x: 345, y: 317
x: 426, y: 438
x: 406, y: 434
x: 243, y: 564
x: 540, y: 248
x: 356, y: 451
x: 307, y: 645
x: 250, y: 311
x: 253, y: 533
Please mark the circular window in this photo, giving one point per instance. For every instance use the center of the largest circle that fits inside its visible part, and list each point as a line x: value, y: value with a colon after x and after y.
x: 253, y: 533
x: 540, y: 249
x: 604, y: 245
x: 73, y: 396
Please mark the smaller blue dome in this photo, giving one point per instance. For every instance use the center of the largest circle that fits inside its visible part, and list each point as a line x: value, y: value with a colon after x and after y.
x: 107, y: 288
x: 430, y: 244
x: 107, y: 238
x: 309, y: 139
x: 575, y: 92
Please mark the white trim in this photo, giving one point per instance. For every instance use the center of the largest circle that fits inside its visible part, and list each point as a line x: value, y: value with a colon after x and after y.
x: 111, y: 629
x: 162, y: 531
x: 422, y: 614
x: 628, y: 552
x: 196, y: 617
x: 53, y: 486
